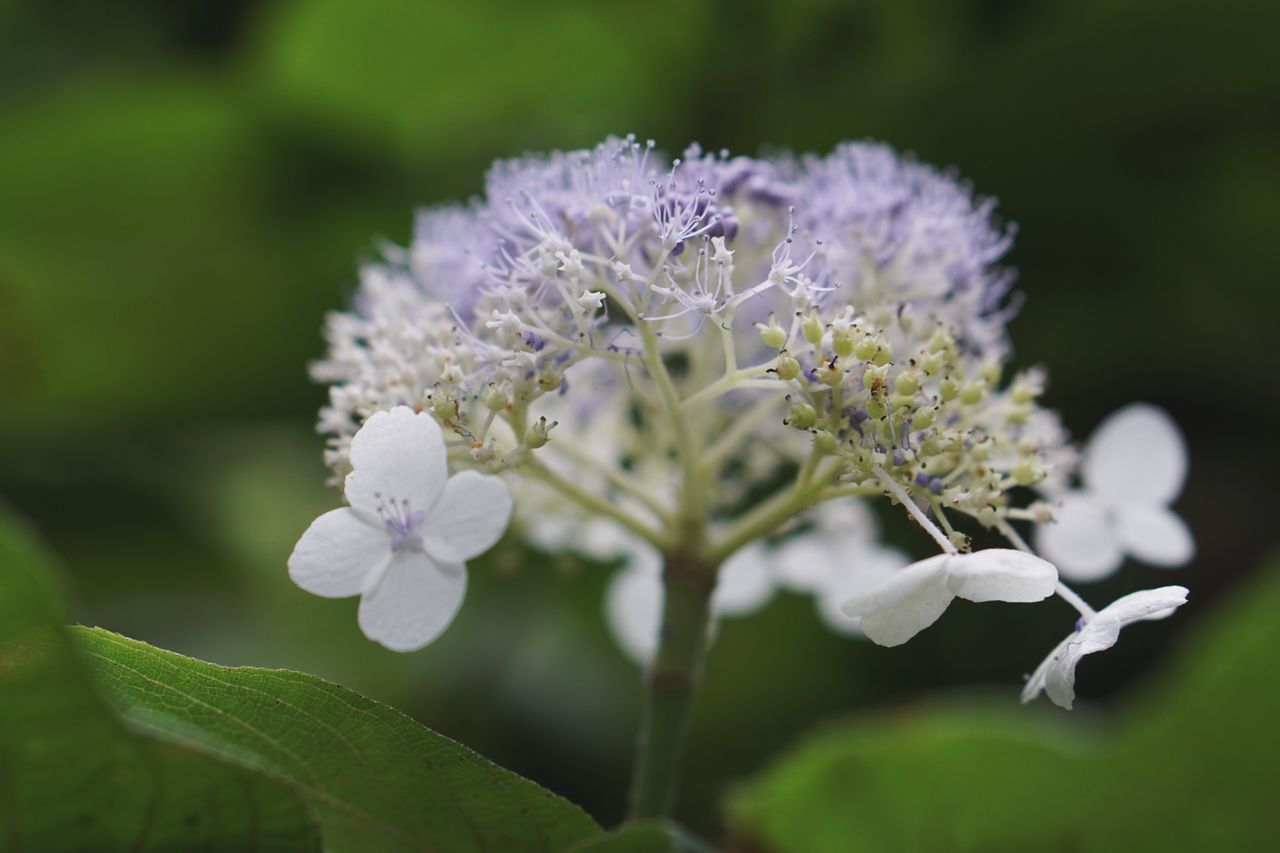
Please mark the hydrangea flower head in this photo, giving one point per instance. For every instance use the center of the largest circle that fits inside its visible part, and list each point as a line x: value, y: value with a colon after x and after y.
x: 708, y: 362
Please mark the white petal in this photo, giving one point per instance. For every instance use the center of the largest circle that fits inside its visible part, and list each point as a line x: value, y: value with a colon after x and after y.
x: 413, y: 602
x: 1001, y: 574
x: 1056, y: 676
x: 469, y: 517
x: 864, y: 570
x: 1154, y: 534
x: 1060, y: 671
x: 633, y: 608
x: 744, y: 584
x: 1146, y: 604
x: 397, y: 455
x: 337, y: 553
x: 1082, y: 540
x: 909, y: 601
x: 805, y: 563
x: 1136, y: 454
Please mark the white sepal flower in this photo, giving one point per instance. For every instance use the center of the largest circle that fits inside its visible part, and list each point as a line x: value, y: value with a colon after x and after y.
x: 1056, y: 675
x: 1133, y: 468
x: 403, y: 542
x: 913, y: 598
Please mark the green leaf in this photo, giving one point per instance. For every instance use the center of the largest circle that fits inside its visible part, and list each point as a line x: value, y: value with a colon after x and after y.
x: 1193, y: 765
x: 72, y: 777
x: 376, y: 779
x: 644, y: 837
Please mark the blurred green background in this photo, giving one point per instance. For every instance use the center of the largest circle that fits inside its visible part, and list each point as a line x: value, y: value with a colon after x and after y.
x: 186, y: 187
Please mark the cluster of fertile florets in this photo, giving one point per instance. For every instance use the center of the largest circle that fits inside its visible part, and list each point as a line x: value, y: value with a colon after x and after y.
x: 871, y: 281
x: 684, y: 357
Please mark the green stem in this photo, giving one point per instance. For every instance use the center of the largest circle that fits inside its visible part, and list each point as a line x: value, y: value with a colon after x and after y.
x: 671, y: 684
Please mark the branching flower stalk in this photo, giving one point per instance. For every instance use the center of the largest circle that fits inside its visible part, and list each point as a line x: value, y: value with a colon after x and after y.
x: 702, y: 369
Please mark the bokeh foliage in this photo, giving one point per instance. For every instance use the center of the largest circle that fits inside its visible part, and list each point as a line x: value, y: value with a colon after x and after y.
x: 185, y: 189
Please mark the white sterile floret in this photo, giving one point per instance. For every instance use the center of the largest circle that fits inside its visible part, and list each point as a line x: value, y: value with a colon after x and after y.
x: 1056, y: 676
x: 913, y: 598
x: 1133, y: 468
x: 403, y: 542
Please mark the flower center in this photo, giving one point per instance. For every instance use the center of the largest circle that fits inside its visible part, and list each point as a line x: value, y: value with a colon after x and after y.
x: 401, y: 521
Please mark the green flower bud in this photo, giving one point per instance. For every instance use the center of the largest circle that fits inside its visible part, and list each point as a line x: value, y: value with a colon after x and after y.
x: 812, y: 329
x: 802, y: 416
x: 824, y: 441
x: 972, y: 393
x: 444, y: 409
x: 949, y: 388
x: 495, y: 399
x: 787, y: 368
x: 866, y: 346
x: 923, y: 418
x: 1027, y: 472
x: 832, y: 374
x: 773, y: 335
x: 907, y: 383
x: 842, y: 343
x: 536, y: 436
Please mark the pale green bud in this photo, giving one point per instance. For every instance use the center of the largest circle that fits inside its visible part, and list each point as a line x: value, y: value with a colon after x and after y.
x: 787, y: 368
x: 773, y: 335
x: 536, y: 436
x: 1027, y: 472
x: 802, y: 416
x: 811, y: 328
x: 824, y: 441
x: 495, y: 399
x: 949, y: 388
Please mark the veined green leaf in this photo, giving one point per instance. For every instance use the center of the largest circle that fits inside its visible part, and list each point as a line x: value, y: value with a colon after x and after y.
x: 376, y: 779
x: 72, y: 777
x: 1192, y: 765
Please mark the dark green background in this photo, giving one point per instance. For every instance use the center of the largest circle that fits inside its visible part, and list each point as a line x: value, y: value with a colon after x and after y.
x: 186, y: 187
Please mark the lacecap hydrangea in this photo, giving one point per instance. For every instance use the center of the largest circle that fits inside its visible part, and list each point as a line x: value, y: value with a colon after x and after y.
x: 701, y: 365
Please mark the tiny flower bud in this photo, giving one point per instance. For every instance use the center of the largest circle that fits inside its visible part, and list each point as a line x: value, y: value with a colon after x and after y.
x: 949, y: 388
x: 802, y: 416
x: 842, y: 343
x: 536, y: 436
x: 495, y: 399
x: 787, y: 367
x: 923, y: 418
x: 941, y: 342
x: 1027, y: 472
x: 831, y: 374
x: 972, y: 393
x: 773, y: 335
x: 812, y: 328
x: 444, y: 409
x: 824, y: 441
x: 866, y: 347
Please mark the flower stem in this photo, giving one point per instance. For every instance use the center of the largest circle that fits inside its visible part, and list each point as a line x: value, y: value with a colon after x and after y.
x: 671, y: 684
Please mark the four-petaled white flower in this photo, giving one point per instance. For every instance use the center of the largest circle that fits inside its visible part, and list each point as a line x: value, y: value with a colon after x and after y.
x: 1133, y: 468
x: 403, y: 542
x: 913, y: 598
x: 1056, y: 676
